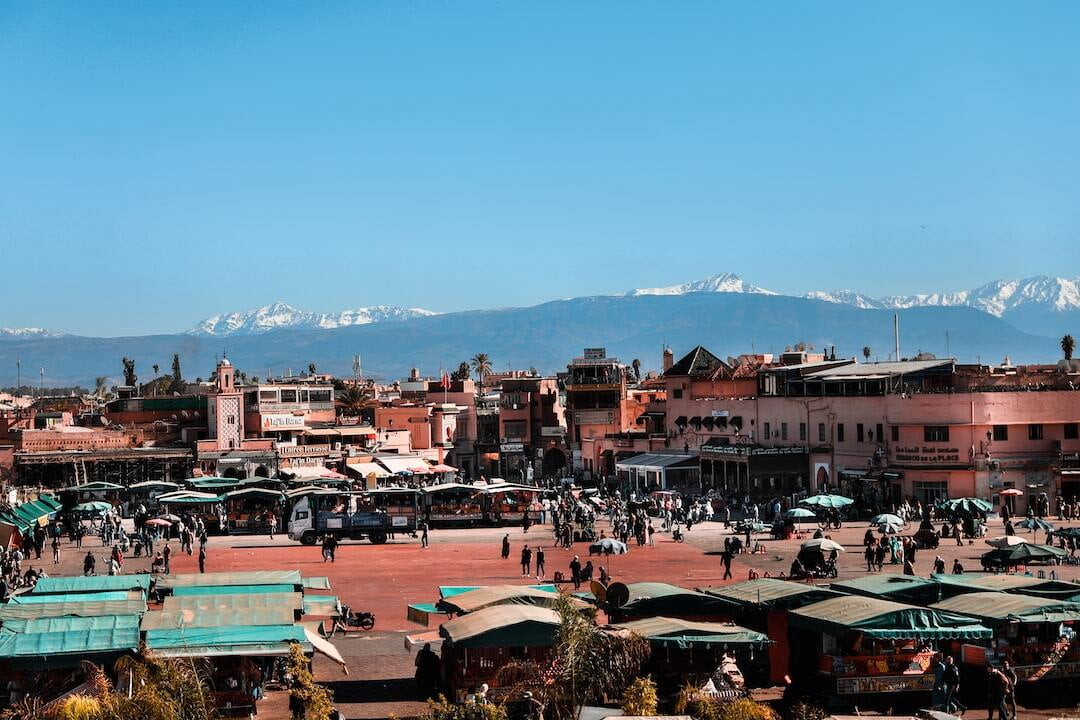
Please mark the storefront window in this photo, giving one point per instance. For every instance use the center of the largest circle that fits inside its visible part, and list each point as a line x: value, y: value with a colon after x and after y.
x: 931, y: 492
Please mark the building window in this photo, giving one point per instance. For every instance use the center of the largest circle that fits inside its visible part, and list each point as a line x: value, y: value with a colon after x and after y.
x: 839, y: 432
x: 1001, y: 433
x: 860, y: 433
x: 1071, y: 431
x: 268, y: 395
x: 935, y: 433
x: 231, y: 420
x: 288, y: 396
x: 514, y: 429
x: 802, y: 432
x: 821, y: 432
x: 1035, y: 431
x: 879, y: 433
x: 320, y: 396
x: 677, y: 393
x: 768, y: 431
x: 894, y: 431
x: 783, y: 431
x: 930, y: 493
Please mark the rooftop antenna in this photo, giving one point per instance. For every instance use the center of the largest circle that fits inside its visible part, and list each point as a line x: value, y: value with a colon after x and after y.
x: 41, y: 372
x: 18, y: 375
x: 896, y: 334
x: 948, y: 353
x: 356, y: 369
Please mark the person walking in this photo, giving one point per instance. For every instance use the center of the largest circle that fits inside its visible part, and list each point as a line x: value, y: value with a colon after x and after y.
x: 526, y: 561
x: 575, y: 572
x: 166, y: 554
x: 950, y: 683
x: 526, y: 522
x: 89, y: 564
x: 998, y: 688
x: 725, y: 558
x: 869, y: 554
x: 540, y: 563
x: 56, y: 549
x: 506, y: 546
x: 202, y: 558
x: 424, y: 534
x: 273, y: 525
x: 1010, y: 675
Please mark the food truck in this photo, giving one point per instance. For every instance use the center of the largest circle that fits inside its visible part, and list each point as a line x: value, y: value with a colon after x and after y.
x: 353, y: 515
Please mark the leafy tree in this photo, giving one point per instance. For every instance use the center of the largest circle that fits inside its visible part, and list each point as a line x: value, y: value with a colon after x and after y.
x: 692, y: 701
x: 636, y: 364
x: 100, y: 385
x: 152, y: 688
x: 316, y: 699
x: 354, y: 399
x: 1067, y: 346
x: 481, y: 365
x: 177, y: 385
x: 462, y: 373
x: 866, y: 353
x: 803, y: 346
x: 155, y: 367
x: 640, y: 698
x: 443, y: 709
x: 586, y: 663
x: 312, y: 370
x: 130, y: 378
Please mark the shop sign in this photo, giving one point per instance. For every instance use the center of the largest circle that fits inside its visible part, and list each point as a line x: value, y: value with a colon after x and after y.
x: 884, y: 684
x: 926, y: 454
x: 282, y: 422
x: 719, y: 413
x: 552, y: 431
x: 512, y: 447
x: 595, y: 353
x: 593, y: 417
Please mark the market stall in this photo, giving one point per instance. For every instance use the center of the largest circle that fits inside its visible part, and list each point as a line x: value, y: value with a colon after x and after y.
x: 1035, y: 634
x: 861, y: 647
x: 652, y: 599
x: 453, y: 504
x: 250, y: 509
x: 493, y: 595
x: 763, y: 605
x: 476, y: 645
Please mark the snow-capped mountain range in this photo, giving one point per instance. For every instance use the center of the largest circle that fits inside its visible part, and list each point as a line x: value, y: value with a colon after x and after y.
x: 996, y: 298
x: 279, y: 316
x: 27, y: 333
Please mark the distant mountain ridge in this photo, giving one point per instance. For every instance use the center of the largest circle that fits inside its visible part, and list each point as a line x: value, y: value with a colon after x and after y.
x: 1040, y: 304
x: 24, y: 333
x: 282, y: 316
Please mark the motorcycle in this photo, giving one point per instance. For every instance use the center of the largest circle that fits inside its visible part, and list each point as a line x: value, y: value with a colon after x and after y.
x: 677, y: 534
x: 350, y: 620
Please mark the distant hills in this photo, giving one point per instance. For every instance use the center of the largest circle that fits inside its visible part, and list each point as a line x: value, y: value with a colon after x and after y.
x: 281, y: 316
x: 547, y: 336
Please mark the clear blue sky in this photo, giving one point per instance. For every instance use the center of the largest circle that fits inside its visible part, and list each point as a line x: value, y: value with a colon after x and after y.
x: 160, y: 162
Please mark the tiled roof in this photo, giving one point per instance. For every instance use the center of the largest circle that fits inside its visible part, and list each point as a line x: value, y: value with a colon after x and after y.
x: 699, y: 362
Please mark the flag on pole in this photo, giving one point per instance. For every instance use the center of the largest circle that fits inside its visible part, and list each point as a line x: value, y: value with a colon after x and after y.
x: 446, y: 380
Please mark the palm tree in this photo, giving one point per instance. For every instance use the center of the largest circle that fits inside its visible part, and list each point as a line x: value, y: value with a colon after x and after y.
x: 1067, y: 346
x: 481, y: 365
x: 866, y: 353
x: 354, y: 399
x: 155, y: 367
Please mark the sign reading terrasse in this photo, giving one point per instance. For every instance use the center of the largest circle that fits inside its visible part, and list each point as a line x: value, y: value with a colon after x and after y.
x: 282, y: 422
x: 925, y: 454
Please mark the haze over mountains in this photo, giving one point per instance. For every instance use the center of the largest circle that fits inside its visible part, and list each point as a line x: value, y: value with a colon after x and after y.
x: 1022, y: 319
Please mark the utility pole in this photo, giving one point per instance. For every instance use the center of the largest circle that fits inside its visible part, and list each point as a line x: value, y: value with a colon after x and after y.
x: 41, y: 371
x: 896, y: 334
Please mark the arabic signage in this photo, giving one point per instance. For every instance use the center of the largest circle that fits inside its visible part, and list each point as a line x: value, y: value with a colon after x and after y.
x: 512, y: 447
x: 884, y: 683
x: 926, y: 454
x: 746, y: 451
x: 593, y: 417
x: 552, y: 431
x: 595, y: 353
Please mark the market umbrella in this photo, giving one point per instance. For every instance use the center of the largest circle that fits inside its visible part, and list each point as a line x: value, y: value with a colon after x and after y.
x: 1068, y: 532
x: 1012, y: 492
x: 829, y: 501
x: 1005, y: 541
x: 1034, y: 523
x: 609, y: 546
x: 158, y: 521
x: 887, y: 518
x: 890, y: 528
x: 94, y: 508
x: 1022, y: 554
x: 798, y: 514
x: 169, y: 517
x: 822, y: 544
x: 967, y: 504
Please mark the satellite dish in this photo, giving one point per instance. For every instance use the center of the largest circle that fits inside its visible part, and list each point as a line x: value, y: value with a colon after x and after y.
x: 618, y: 594
x: 599, y: 591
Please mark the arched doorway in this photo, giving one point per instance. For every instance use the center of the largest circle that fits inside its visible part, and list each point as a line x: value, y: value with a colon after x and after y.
x: 553, y: 463
x: 262, y: 471
x: 231, y: 473
x: 822, y: 479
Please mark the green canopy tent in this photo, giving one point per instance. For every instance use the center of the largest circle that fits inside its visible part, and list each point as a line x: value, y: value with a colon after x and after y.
x: 886, y: 620
x: 649, y: 599
x: 242, y: 577
x: 503, y: 626
x: 231, y: 590
x: 500, y: 595
x: 34, y: 598
x: 61, y: 642
x: 952, y: 585
x: 217, y: 617
x: 768, y: 594
x: 684, y: 634
x: 449, y: 591
x: 996, y: 609
x: 92, y: 583
x: 892, y: 586
x: 292, y: 600
x: 12, y: 611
